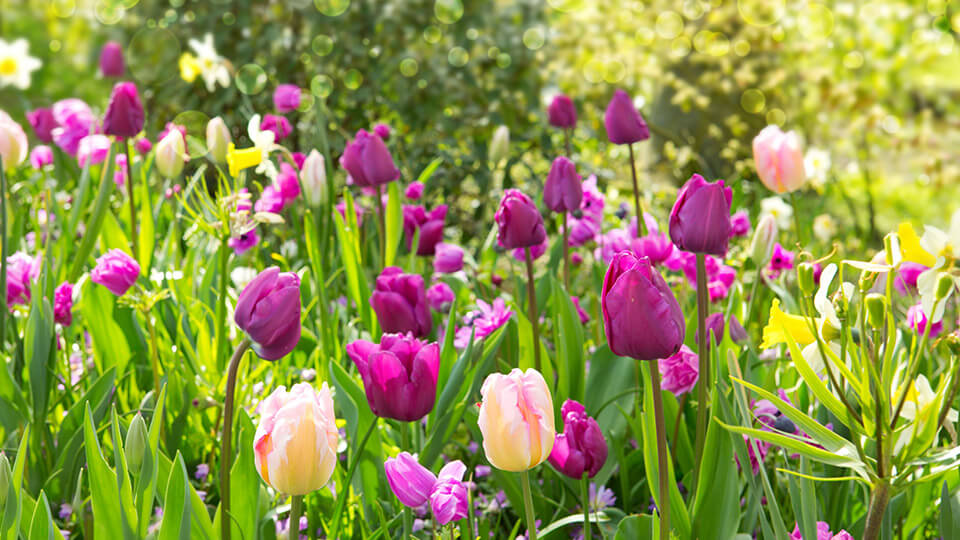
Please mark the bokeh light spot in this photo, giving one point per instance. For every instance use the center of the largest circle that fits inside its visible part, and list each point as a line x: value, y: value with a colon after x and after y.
x: 853, y: 60
x: 669, y: 24
x: 353, y: 79
x: 251, y: 79
x: 322, y: 45
x: 196, y: 124
x: 331, y: 8
x: 753, y: 101
x: 815, y: 21
x: 432, y: 34
x: 534, y: 38
x: 409, y: 67
x: 458, y: 57
x: 614, y: 71
x: 761, y: 12
x: 149, y: 48
x: 448, y: 11
x: 776, y: 117
x: 321, y: 86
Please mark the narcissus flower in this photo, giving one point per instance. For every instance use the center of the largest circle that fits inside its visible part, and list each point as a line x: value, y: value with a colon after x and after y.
x: 16, y: 64
x: 516, y: 419
x: 781, y: 324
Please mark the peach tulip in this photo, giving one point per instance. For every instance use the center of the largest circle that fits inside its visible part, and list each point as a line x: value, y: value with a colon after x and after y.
x: 516, y: 419
x: 779, y: 159
x: 295, y: 446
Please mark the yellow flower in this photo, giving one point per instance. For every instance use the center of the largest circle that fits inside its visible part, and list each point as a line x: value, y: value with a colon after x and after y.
x: 189, y: 67
x: 782, y: 324
x: 237, y: 160
x: 911, y: 248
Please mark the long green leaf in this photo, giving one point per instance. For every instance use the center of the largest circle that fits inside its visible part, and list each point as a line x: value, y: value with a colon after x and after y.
x: 100, y: 208
x: 176, y: 505
x: 716, y: 510
x: 949, y: 514
x: 394, y: 223
x: 104, y: 492
x: 145, y: 235
x: 42, y: 526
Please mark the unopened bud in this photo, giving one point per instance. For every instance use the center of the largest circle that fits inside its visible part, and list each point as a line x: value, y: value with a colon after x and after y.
x: 805, y: 278
x: 218, y: 139
x: 952, y: 340
x: 763, y: 239
x: 136, y: 443
x: 500, y: 145
x: 876, y: 305
x: 944, y: 286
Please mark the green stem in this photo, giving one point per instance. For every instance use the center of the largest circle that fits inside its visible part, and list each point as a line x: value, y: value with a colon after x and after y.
x: 566, y: 256
x: 703, y: 351
x: 585, y: 493
x: 345, y: 488
x: 221, y: 313
x: 796, y: 219
x: 3, y: 254
x: 663, y: 465
x: 296, y: 510
x: 754, y: 290
x: 532, y: 308
x: 641, y: 223
x: 226, y: 456
x: 878, y: 504
x: 382, y: 223
x: 528, y: 505
x: 154, y: 355
x: 566, y: 143
x: 405, y: 445
x: 133, y: 207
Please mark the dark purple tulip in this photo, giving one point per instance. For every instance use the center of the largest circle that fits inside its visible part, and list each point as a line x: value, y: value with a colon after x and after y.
x: 124, y: 116
x: 111, y: 60
x: 581, y: 447
x: 561, y: 113
x: 562, y: 191
x: 143, y: 145
x: 440, y: 296
x: 400, y: 302
x: 286, y: 98
x: 623, y: 122
x: 42, y: 122
x: 430, y: 225
x: 368, y: 160
x: 399, y: 375
x: 641, y: 316
x: 268, y: 311
x: 700, y: 219
x: 715, y: 324
x: 279, y: 125
x: 519, y: 221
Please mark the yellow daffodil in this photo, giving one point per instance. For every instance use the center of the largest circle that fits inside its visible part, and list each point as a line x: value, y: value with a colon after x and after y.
x: 782, y: 324
x: 238, y: 160
x: 189, y: 67
x: 911, y: 248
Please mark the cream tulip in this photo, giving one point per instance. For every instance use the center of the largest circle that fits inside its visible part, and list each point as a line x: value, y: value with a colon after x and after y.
x: 516, y: 419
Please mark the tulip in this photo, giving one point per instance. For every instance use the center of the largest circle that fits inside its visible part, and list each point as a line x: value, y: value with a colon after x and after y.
x: 917, y: 321
x: 42, y: 122
x: 561, y: 113
x: 382, y: 130
x: 268, y: 312
x: 93, y: 149
x: 415, y: 485
x: 295, y: 445
x: 135, y: 445
x: 448, y: 258
x: 143, y: 145
x: 516, y: 419
x: 243, y: 242
x: 288, y: 183
x: 400, y: 303
x: 740, y: 223
x: 656, y: 246
x: 399, y: 375
x: 779, y: 159
x: 286, y: 98
x: 636, y: 297
x: 111, y: 60
x: 218, y: 139
x: 414, y: 191
x: 519, y: 221
x: 116, y: 271
x: 279, y: 125
x: 907, y: 275
x: 75, y: 121
x: 680, y: 371
x: 765, y: 235
x: 500, y: 145
x: 715, y: 325
x: 124, y: 117
x: 581, y: 448
x: 440, y: 296
x: 63, y: 304
x: 170, y: 154
x: 623, y: 122
x: 429, y: 224
x: 22, y: 269
x: 314, y: 177
x: 298, y: 159
x: 271, y: 200
x: 368, y: 160
x: 41, y: 156
x: 562, y: 191
x: 700, y: 219
x: 13, y: 142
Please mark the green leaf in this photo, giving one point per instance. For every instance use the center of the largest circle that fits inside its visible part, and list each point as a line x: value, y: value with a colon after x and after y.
x: 949, y: 514
x: 367, y: 479
x: 146, y: 236
x: 394, y: 223
x: 112, y: 328
x: 176, y: 505
x: 146, y: 487
x: 348, y: 238
x: 39, y: 353
x: 100, y: 207
x: 428, y: 171
x: 245, y: 483
x: 798, y: 446
x: 200, y: 525
x: 112, y: 235
x: 568, y: 337
x: 716, y: 510
x: 572, y: 519
x: 638, y: 527
x: 42, y: 526
x: 108, y: 513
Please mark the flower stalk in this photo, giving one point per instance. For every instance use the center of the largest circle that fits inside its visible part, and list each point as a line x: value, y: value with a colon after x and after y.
x: 663, y: 463
x: 534, y: 314
x: 528, y: 504
x: 703, y: 353
x: 226, y: 456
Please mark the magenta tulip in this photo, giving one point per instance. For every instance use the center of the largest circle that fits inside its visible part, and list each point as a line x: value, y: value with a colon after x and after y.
x: 399, y: 375
x: 700, y: 219
x: 124, y: 116
x: 581, y: 448
x: 279, y: 125
x: 563, y: 191
x: 42, y: 122
x: 623, y: 122
x: 116, y: 271
x: 368, y: 160
x: 447, y: 258
x: 286, y: 98
x: 561, y: 113
x: 268, y: 311
x: 400, y: 303
x: 63, y: 304
x: 111, y: 60
x: 519, y: 221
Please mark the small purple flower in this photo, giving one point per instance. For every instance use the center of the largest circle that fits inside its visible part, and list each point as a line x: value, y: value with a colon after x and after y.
x: 905, y: 281
x: 286, y: 98
x: 243, y: 242
x: 414, y: 191
x: 483, y: 321
x: 481, y: 470
x: 203, y: 470
x: 740, y: 223
x: 279, y: 125
x: 440, y: 296
x: 143, y: 145
x: 65, y: 512
x: 780, y: 260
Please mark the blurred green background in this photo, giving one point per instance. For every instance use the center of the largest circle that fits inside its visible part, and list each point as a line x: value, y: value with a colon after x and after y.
x: 872, y: 86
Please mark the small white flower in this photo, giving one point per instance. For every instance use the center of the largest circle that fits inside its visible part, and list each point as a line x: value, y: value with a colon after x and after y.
x: 264, y: 141
x: 779, y: 209
x: 824, y: 227
x: 817, y: 164
x: 16, y: 64
x: 213, y: 67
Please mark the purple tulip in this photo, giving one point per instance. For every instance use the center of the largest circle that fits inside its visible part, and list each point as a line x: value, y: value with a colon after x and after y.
x: 563, y: 191
x: 399, y: 375
x: 93, y: 149
x: 414, y: 191
x: 22, y: 269
x: 429, y: 224
x: 63, y: 304
x: 581, y: 447
x: 740, y: 223
x: 655, y: 246
x: 279, y: 125
x: 116, y: 271
x: 400, y: 302
x: 286, y: 98
x: 623, y: 122
x: 42, y: 122
x: 368, y: 160
x: 271, y: 200
x: 641, y: 316
x: 447, y: 258
x: 75, y: 121
x: 124, y: 116
x: 680, y: 372
x: 715, y: 325
x: 111, y: 60
x: 519, y: 221
x: 700, y: 219
x: 415, y: 485
x: 906, y: 278
x: 449, y: 499
x: 382, y: 130
x: 143, y: 145
x: 440, y: 296
x: 41, y: 156
x: 561, y: 113
x: 288, y: 183
x: 268, y: 311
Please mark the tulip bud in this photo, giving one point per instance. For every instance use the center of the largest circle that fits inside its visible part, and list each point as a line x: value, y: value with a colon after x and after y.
x: 519, y: 221
x: 13, y: 142
x: 561, y: 113
x: 876, y: 305
x: 42, y: 122
x: 516, y: 420
x: 500, y: 145
x: 562, y: 191
x: 314, y: 177
x: 218, y: 139
x: 368, y: 160
x: 952, y: 340
x: 124, y: 117
x: 779, y: 159
x: 136, y: 444
x: 400, y: 302
x: 170, y: 154
x: 5, y: 479
x: 805, y: 278
x: 700, y: 219
x: 268, y: 311
x: 448, y: 258
x: 111, y: 60
x: 623, y: 122
x: 944, y: 286
x: 581, y: 448
x: 286, y: 98
x: 764, y: 237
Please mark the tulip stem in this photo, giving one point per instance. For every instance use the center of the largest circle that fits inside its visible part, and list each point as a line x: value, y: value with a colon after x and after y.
x: 566, y: 255
x: 296, y: 510
x: 532, y: 308
x: 528, y: 505
x: 133, y: 207
x: 796, y: 218
x: 663, y: 465
x: 585, y: 493
x: 566, y: 143
x: 225, y: 451
x: 3, y: 254
x: 641, y: 223
x: 382, y: 223
x: 703, y: 360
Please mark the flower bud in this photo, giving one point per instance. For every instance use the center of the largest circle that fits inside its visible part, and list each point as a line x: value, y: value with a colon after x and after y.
x: 944, y: 286
x: 500, y: 145
x: 218, y: 139
x: 13, y: 142
x: 136, y: 444
x: 116, y: 271
x: 763, y: 239
x: 314, y: 177
x: 268, y: 311
x: 561, y: 113
x: 368, y: 160
x: 286, y: 98
x: 111, y: 60
x: 562, y: 191
x: 519, y: 223
x: 876, y: 305
x: 124, y: 117
x: 623, y: 122
x: 170, y: 154
x: 700, y: 219
x: 805, y: 278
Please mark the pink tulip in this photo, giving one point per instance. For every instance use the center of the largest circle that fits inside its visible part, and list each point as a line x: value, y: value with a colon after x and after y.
x: 116, y: 271
x: 779, y: 159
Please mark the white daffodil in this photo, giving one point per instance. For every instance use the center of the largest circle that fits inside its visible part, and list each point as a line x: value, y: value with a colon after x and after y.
x: 824, y: 227
x: 817, y: 164
x: 779, y: 209
x: 821, y: 300
x: 263, y: 140
x: 919, y: 407
x: 212, y: 66
x: 16, y: 64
